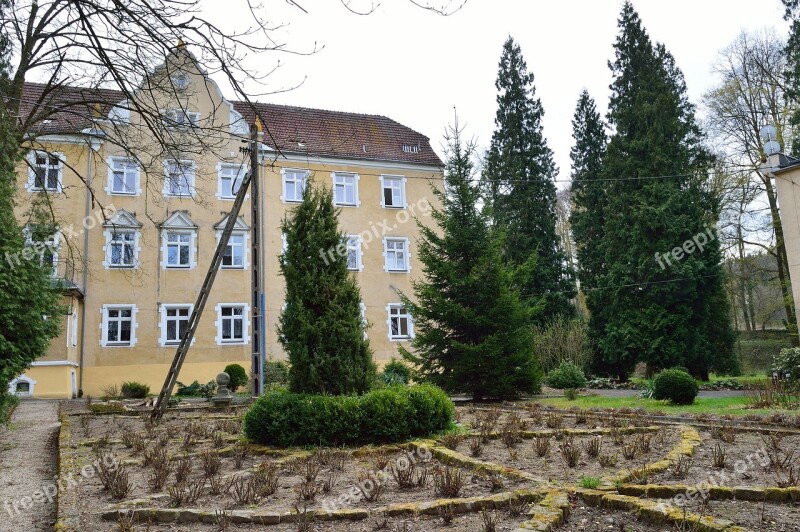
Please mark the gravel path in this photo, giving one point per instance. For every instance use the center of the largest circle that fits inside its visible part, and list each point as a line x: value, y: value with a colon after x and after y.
x: 27, y: 466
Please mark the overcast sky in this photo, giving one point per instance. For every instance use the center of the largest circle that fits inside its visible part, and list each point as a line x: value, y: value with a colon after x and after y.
x: 414, y: 66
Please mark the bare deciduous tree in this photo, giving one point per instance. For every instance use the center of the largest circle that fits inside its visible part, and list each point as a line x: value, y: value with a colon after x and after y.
x: 749, y: 96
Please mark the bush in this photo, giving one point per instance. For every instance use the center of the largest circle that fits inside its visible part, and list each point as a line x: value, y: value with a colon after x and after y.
x: 392, y: 414
x: 238, y: 376
x: 566, y: 375
x: 134, y: 390
x: 395, y: 372
x: 8, y: 403
x: 562, y: 340
x: 676, y: 386
x: 275, y: 372
x: 571, y: 394
x: 788, y: 362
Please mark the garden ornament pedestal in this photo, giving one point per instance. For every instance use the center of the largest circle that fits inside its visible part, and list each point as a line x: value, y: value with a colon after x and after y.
x: 224, y: 396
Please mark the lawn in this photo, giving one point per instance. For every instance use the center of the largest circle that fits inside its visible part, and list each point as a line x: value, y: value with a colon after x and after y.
x: 736, y: 406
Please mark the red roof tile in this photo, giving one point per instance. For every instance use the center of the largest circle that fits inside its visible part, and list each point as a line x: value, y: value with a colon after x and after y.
x: 313, y: 132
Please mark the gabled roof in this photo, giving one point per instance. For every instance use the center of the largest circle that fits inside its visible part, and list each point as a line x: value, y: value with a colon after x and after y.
x: 123, y: 219
x: 179, y: 220
x: 240, y: 224
x: 292, y: 130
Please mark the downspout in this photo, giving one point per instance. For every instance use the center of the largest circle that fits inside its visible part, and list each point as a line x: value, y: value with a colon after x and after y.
x: 88, y: 213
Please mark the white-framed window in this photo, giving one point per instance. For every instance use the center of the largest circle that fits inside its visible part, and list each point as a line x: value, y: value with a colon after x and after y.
x: 396, y: 253
x: 123, y: 176
x: 294, y: 183
x: 45, y: 244
x: 118, y: 328
x: 230, y: 179
x: 232, y: 323
x: 22, y: 386
x: 179, y: 178
x: 179, y: 118
x: 234, y: 255
x: 174, y: 323
x: 178, y: 249
x: 354, y: 262
x: 401, y: 326
x: 345, y: 189
x: 393, y: 191
x: 122, y: 248
x: 46, y: 171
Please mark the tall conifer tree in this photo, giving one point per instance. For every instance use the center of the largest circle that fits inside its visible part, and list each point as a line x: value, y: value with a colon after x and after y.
x: 519, y: 188
x: 321, y: 327
x: 664, y: 312
x: 472, y: 332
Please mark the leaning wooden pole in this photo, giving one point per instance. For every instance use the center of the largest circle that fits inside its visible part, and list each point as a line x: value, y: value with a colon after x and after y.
x: 208, y: 283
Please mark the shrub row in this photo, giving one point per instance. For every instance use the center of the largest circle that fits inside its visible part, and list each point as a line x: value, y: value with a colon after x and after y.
x: 387, y: 415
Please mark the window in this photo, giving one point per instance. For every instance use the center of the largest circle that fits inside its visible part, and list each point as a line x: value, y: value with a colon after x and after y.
x: 233, y: 256
x: 230, y: 179
x: 122, y: 249
x: 394, y: 191
x: 174, y: 323
x: 124, y: 176
x: 179, y: 178
x: 23, y: 388
x: 179, y: 249
x: 231, y: 323
x: 119, y: 325
x: 396, y: 253
x: 46, y: 171
x: 179, y: 118
x: 354, y: 253
x: 400, y: 325
x: 345, y: 189
x: 294, y: 182
x: 44, y: 241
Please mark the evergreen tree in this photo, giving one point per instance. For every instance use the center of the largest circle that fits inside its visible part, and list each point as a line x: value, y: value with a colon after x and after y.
x: 588, y: 202
x: 792, y: 74
x: 662, y: 311
x: 321, y: 327
x: 519, y: 188
x: 472, y: 331
x: 30, y: 310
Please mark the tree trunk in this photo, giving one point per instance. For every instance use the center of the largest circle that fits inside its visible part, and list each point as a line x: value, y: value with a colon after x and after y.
x: 742, y: 295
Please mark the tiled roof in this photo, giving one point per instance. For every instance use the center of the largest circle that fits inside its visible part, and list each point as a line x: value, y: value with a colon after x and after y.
x: 338, y: 134
x: 312, y: 132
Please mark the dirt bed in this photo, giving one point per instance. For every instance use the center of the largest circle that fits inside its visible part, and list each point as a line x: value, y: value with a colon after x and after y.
x: 747, y: 461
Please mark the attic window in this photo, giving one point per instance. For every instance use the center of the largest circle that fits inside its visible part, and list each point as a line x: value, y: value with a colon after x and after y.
x: 410, y: 148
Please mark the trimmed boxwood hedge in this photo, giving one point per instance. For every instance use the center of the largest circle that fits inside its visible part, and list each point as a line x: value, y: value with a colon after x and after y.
x: 676, y: 386
x: 387, y: 415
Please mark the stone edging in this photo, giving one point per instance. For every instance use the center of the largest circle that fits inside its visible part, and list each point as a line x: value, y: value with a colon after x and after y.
x: 715, y: 493
x: 551, y: 512
x: 656, y: 513
x: 458, y: 506
x: 67, y: 512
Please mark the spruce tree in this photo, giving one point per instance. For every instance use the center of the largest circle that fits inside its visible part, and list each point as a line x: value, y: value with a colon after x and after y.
x: 321, y: 327
x: 472, y: 331
x: 30, y: 309
x: 588, y: 202
x: 662, y: 311
x: 519, y: 188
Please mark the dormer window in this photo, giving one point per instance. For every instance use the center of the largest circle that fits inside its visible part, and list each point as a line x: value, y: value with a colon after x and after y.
x: 181, y: 81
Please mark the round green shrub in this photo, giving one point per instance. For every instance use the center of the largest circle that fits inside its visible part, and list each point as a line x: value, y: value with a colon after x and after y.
x: 395, y: 372
x: 238, y: 376
x: 566, y: 375
x: 134, y: 390
x: 392, y: 414
x: 675, y: 386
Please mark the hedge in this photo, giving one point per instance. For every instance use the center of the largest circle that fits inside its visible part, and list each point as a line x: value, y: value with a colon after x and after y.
x: 388, y: 415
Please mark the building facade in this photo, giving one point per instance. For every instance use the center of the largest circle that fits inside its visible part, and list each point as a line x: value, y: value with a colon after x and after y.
x: 140, y: 211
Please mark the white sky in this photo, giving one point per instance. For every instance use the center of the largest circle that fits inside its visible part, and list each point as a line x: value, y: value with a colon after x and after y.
x: 414, y: 66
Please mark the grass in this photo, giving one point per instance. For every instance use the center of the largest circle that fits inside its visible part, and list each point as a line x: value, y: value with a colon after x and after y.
x: 736, y: 406
x: 7, y: 405
x: 589, y: 483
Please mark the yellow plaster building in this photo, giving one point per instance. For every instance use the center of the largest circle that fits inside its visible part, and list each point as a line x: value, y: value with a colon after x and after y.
x: 133, y: 253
